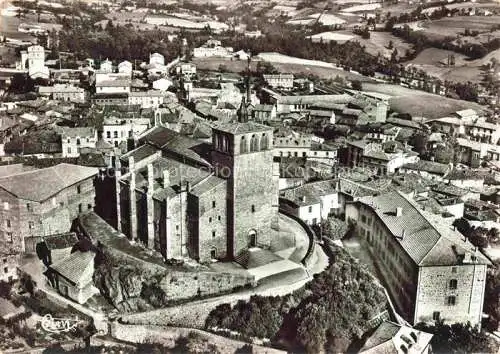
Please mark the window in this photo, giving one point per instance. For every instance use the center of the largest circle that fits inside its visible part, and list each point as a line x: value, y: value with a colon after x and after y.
x: 218, y: 217
x: 363, y: 218
x: 210, y: 219
x: 177, y: 227
x: 213, y: 234
x: 115, y: 134
x: 253, y: 208
x: 213, y: 203
x: 69, y: 150
x: 31, y: 225
x: 6, y: 206
x: 78, y: 189
x: 451, y: 300
x: 453, y: 269
x: 213, y: 253
x: 108, y: 135
x: 310, y: 209
x: 9, y: 237
x: 28, y: 207
x: 89, y: 206
x: 5, y: 260
x: 7, y: 222
x: 80, y: 208
x: 6, y: 270
x: 453, y: 284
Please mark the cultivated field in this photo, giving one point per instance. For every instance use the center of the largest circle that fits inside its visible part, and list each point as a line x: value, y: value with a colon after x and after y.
x: 327, y: 71
x: 378, y: 42
x: 453, y: 26
x: 419, y: 103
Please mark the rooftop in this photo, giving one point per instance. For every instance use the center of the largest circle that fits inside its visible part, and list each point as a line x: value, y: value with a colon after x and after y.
x: 242, y: 128
x: 390, y: 337
x: 39, y: 185
x: 426, y: 242
x: 428, y: 166
x: 75, y: 267
x: 310, y: 193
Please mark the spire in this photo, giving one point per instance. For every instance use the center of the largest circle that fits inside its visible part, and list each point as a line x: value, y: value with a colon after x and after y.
x: 243, y: 111
x: 249, y: 99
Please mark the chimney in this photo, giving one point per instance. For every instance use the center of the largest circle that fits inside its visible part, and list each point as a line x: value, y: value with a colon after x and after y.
x: 399, y: 211
x: 166, y: 178
x: 303, y: 198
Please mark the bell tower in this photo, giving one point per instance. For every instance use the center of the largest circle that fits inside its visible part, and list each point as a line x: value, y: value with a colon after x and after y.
x: 242, y: 154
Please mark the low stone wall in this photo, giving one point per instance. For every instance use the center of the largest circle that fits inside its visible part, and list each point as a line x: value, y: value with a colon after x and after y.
x: 308, y: 258
x: 169, y: 335
x: 183, y: 285
x: 194, y: 314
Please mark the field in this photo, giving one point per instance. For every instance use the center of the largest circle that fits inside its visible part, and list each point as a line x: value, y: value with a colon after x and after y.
x: 378, y: 42
x: 453, y: 26
x: 294, y: 67
x: 419, y: 103
x: 433, y: 60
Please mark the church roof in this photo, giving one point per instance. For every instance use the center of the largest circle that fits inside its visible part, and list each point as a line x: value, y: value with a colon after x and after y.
x: 242, y: 128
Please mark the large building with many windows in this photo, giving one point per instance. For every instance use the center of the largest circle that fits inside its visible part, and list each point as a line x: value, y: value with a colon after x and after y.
x: 42, y: 202
x: 430, y: 270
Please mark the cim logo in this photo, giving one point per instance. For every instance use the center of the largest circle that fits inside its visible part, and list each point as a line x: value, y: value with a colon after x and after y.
x: 58, y: 325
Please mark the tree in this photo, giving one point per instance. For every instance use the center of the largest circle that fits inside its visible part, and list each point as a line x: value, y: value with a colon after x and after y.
x: 356, y: 85
x: 390, y: 45
x: 458, y: 338
x: 419, y: 142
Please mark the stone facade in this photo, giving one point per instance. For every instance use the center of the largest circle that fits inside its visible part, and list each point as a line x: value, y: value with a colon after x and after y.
x: 24, y: 218
x: 454, y: 294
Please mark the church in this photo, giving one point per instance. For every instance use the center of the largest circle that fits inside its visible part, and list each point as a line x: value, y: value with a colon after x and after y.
x: 188, y: 198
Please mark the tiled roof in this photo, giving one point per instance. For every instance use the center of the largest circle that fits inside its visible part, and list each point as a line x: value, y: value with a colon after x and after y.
x: 427, y: 166
x: 7, y: 170
x: 206, y: 185
x: 426, y: 243
x: 67, y: 132
x: 60, y: 241
x: 39, y: 185
x: 75, y: 266
x: 113, y: 83
x: 170, y: 140
x: 390, y: 337
x: 242, y: 128
x: 310, y: 193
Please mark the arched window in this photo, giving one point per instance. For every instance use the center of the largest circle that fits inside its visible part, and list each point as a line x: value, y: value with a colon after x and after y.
x: 254, y: 143
x: 243, y: 145
x: 263, y: 142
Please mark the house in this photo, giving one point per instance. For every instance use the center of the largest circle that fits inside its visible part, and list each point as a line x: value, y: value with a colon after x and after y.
x: 156, y: 59
x: 53, y: 248
x: 311, y: 202
x: 119, y: 130
x: 395, y: 338
x: 430, y: 270
x: 162, y: 84
x: 468, y: 178
x: 292, y: 144
x: 212, y: 48
x: 72, y: 276
x: 385, y: 158
x: 427, y: 169
x: 112, y: 87
x: 73, y: 139
x: 43, y: 202
x: 146, y: 99
x: 33, y: 60
x: 125, y: 67
x: 472, y: 153
x: 106, y: 66
x: 264, y: 113
x: 186, y: 70
x: 63, y: 92
x: 279, y: 80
